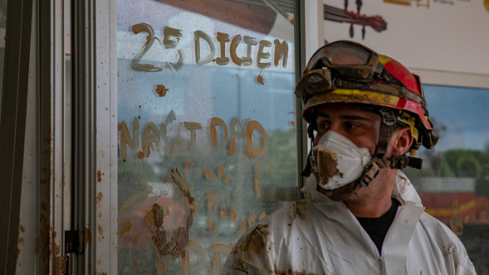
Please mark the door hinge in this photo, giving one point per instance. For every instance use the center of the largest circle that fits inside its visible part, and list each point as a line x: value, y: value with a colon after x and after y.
x: 74, y: 241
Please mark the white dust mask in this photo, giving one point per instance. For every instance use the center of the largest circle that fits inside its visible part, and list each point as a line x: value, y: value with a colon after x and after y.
x: 337, y: 161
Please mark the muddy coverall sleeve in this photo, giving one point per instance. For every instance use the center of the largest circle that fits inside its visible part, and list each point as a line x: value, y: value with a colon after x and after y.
x: 251, y: 255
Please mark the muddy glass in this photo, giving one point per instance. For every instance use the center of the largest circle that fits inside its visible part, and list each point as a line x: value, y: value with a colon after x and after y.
x: 206, y: 128
x: 454, y: 182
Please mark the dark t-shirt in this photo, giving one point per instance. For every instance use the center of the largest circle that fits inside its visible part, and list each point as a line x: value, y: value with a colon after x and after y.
x: 377, y: 227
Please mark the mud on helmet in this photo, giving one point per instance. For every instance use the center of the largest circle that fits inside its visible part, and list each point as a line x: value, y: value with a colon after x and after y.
x: 348, y: 72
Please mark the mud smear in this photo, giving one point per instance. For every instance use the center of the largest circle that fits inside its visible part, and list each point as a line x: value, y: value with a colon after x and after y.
x: 222, y: 38
x: 139, y: 196
x: 262, y: 216
x: 235, y: 195
x: 198, y: 35
x: 187, y: 164
x: 212, y: 226
x: 161, y: 90
x: 99, y: 197
x: 22, y: 242
x: 199, y: 266
x: 210, y: 201
x: 281, y: 51
x: 150, y: 135
x: 126, y: 139
x: 214, y: 123
x: 235, y: 134
x: 149, y: 219
x: 250, y: 128
x: 250, y: 41
x: 217, y: 251
x: 135, y: 65
x: 187, y: 189
x: 251, y: 220
x: 60, y: 265
x: 99, y: 176
x: 101, y: 230
x: 135, y: 241
x: 192, y: 127
x: 125, y: 228
x: 327, y: 166
x: 223, y: 213
x: 226, y: 179
x: 297, y: 210
x: 220, y: 171
x: 88, y: 236
x: 176, y: 246
x: 257, y: 182
x: 22, y: 228
x: 255, y: 245
x: 208, y: 174
x: 292, y: 123
x: 260, y: 79
x: 232, y: 49
x: 243, y: 227
x: 134, y: 264
x: 232, y: 214
x: 263, y: 55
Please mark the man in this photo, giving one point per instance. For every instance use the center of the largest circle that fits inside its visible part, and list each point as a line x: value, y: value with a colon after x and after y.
x: 361, y: 214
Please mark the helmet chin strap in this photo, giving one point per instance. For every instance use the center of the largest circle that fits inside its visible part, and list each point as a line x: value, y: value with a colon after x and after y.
x: 379, y: 161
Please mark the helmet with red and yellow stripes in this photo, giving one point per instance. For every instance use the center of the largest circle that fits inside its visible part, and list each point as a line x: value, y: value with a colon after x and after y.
x: 348, y: 72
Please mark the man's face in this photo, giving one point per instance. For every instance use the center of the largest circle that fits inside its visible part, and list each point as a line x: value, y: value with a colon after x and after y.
x: 359, y: 126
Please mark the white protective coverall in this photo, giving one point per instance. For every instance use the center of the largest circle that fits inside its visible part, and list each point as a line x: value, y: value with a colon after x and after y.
x: 319, y: 236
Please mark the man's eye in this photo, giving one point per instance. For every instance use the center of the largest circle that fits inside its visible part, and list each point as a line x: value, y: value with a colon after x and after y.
x: 351, y: 126
x: 323, y: 126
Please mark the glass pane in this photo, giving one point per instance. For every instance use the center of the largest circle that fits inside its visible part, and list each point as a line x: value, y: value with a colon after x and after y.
x: 454, y: 181
x: 3, y: 25
x: 207, y: 138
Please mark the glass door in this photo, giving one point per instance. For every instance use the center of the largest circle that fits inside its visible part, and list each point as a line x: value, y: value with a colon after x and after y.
x: 206, y: 128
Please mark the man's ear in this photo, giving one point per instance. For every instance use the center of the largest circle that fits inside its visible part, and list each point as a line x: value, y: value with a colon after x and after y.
x: 401, y: 141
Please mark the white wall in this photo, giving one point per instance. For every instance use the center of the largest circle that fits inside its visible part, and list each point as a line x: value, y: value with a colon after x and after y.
x: 444, y: 38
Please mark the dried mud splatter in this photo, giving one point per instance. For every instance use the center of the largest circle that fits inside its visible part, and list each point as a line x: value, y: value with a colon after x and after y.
x: 262, y: 216
x: 139, y: 196
x: 187, y: 189
x: 161, y: 90
x: 226, y: 179
x: 223, y: 212
x: 125, y: 228
x: 232, y: 213
x: 135, y: 240
x: 243, y: 227
x: 251, y: 220
x: 210, y: 201
x: 187, y: 164
x: 260, y: 79
x: 220, y: 171
x: 208, y: 174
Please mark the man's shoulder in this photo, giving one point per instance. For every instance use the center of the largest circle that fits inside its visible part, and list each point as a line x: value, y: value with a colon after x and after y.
x: 447, y: 243
x: 295, y: 213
